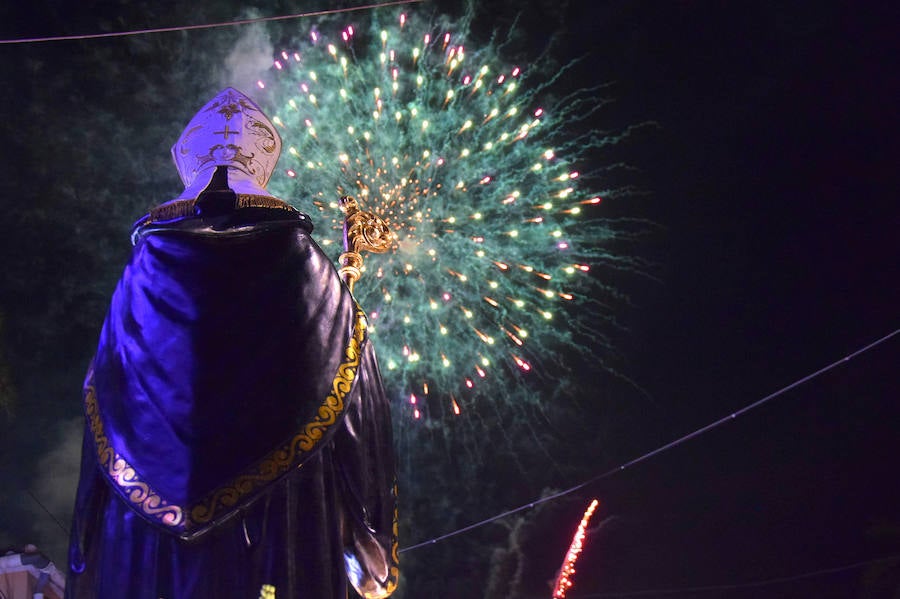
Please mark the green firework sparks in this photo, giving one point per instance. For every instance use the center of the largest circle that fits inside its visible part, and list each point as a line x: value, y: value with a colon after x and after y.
x: 497, y: 232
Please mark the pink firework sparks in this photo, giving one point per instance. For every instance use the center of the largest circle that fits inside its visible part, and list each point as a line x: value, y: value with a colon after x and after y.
x: 564, y: 580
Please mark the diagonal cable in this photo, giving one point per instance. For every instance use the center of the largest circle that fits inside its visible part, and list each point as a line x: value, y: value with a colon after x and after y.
x: 664, y: 448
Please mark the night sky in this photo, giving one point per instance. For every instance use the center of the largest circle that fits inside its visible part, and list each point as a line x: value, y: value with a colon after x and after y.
x: 774, y: 174
x: 771, y: 172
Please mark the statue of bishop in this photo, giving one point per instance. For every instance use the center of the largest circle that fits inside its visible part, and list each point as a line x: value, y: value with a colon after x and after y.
x: 237, y: 435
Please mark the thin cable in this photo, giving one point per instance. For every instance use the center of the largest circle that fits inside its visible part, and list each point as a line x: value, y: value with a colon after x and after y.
x: 662, y: 449
x: 745, y: 585
x: 49, y: 513
x: 90, y: 36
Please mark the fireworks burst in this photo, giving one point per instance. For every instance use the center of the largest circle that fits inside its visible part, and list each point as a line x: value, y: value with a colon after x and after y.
x: 496, y: 233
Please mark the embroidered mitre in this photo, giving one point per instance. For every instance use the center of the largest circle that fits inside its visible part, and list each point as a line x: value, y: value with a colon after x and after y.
x: 231, y: 130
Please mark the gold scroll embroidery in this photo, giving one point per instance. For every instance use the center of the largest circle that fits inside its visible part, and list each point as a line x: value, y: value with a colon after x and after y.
x: 184, y: 518
x: 267, y: 592
x: 394, y: 570
x: 140, y: 494
x: 284, y: 457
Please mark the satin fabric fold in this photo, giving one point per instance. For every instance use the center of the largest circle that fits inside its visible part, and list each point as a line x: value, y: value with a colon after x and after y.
x: 231, y: 345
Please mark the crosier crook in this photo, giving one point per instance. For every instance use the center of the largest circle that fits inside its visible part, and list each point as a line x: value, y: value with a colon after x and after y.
x: 363, y: 231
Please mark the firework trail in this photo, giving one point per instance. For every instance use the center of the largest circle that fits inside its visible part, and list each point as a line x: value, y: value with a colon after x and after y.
x: 564, y: 580
x: 497, y: 233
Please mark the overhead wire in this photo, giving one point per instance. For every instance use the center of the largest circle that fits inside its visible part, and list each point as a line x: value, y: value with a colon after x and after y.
x: 48, y: 512
x: 661, y: 449
x: 318, y: 13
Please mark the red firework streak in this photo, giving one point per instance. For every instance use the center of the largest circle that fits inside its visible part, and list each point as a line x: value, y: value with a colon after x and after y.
x: 564, y: 580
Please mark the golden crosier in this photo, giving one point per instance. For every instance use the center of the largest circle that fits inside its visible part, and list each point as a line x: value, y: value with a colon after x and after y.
x: 363, y: 231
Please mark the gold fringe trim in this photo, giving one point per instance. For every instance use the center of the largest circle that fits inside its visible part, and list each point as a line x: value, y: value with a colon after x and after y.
x: 245, y: 200
x: 183, y: 208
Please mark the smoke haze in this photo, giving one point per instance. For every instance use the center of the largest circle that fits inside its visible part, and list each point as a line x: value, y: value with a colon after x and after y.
x: 250, y: 58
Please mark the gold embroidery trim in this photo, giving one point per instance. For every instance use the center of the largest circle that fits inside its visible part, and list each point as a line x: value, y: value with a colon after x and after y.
x: 183, y: 208
x: 286, y: 456
x: 149, y: 502
x: 267, y: 592
x: 394, y: 570
x: 140, y: 494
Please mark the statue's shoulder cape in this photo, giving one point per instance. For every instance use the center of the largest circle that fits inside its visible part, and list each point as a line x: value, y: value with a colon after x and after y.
x: 228, y: 357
